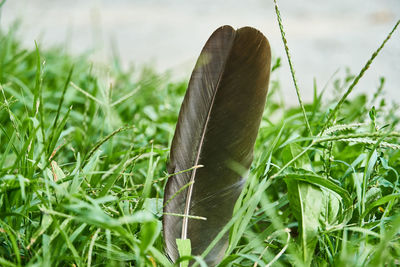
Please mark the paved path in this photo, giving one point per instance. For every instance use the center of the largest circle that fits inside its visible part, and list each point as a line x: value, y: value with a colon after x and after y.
x: 169, y: 34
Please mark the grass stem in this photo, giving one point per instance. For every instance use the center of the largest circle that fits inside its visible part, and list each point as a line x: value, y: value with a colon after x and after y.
x: 278, y: 15
x: 357, y: 79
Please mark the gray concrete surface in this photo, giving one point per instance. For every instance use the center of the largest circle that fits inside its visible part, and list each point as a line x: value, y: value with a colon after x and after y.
x: 323, y: 36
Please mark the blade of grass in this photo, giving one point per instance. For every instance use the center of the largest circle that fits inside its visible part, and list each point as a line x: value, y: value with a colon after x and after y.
x: 89, y: 261
x: 358, y: 77
x: 99, y: 143
x: 278, y: 15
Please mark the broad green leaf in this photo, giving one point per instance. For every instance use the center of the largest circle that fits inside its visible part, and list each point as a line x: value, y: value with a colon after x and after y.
x: 322, y: 182
x: 311, y: 208
x: 149, y: 233
x: 332, y: 207
x: 292, y: 150
x: 185, y: 249
x: 314, y: 200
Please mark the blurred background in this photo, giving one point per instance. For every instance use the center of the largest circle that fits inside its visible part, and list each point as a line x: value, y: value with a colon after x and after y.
x: 324, y: 37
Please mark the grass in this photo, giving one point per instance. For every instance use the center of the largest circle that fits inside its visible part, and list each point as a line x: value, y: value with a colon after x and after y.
x: 82, y: 169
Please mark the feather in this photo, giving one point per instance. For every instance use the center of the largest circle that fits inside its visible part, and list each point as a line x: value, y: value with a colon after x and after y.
x: 217, y: 128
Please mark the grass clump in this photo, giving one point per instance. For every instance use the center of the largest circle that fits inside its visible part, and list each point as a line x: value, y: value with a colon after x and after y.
x: 82, y: 170
x: 83, y: 150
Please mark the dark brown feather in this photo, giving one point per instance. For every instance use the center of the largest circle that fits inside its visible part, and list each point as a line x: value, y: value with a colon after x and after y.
x: 217, y: 127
